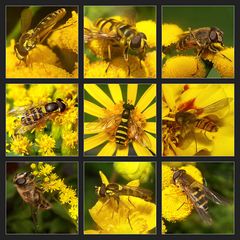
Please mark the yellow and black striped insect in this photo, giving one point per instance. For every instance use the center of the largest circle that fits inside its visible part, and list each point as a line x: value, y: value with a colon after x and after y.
x: 122, y: 128
x: 30, y: 38
x: 118, y: 34
x: 31, y: 116
x: 197, y: 193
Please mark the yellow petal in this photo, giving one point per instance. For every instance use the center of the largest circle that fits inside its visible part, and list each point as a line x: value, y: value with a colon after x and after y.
x: 103, y: 178
x: 108, y: 149
x: 147, y: 98
x: 122, y: 151
x: 153, y: 142
x: 140, y: 150
x: 94, y: 141
x: 116, y: 92
x: 132, y: 93
x: 150, y: 112
x: 99, y: 95
x: 151, y: 127
x: 93, y: 109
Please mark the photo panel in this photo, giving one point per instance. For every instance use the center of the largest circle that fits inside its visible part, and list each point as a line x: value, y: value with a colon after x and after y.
x: 120, y: 41
x: 41, y: 41
x: 198, y: 197
x: 120, y: 119
x: 198, y: 120
x: 41, y: 197
x: 41, y: 119
x: 125, y: 198
x: 197, y: 41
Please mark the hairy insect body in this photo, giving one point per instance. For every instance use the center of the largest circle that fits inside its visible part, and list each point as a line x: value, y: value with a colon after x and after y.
x: 29, y: 192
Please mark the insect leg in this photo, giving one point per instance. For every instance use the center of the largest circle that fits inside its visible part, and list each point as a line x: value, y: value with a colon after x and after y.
x: 109, y: 57
x: 125, y: 55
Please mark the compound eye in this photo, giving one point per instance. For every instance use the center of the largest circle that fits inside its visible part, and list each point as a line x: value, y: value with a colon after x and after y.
x: 213, y: 36
x: 143, y: 35
x: 21, y: 181
x: 136, y: 42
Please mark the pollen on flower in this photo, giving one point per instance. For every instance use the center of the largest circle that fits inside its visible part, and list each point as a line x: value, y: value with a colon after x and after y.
x: 46, y: 144
x: 20, y: 145
x: 150, y: 63
x: 70, y: 138
x: 184, y: 67
x: 170, y: 34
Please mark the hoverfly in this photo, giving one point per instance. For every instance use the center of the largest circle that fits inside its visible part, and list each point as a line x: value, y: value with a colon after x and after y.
x: 118, y: 34
x: 122, y: 128
x: 197, y: 193
x: 31, y: 116
x: 205, y: 39
x: 30, y: 38
x: 26, y: 186
x: 186, y: 121
x: 114, y: 191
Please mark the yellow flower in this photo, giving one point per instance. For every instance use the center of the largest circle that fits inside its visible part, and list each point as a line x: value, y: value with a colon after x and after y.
x: 41, y: 61
x: 103, y: 130
x: 129, y: 215
x: 66, y: 195
x: 20, y: 145
x: 134, y: 170
x: 176, y: 206
x: 203, y: 106
x: 164, y: 229
x: 184, y: 67
x: 46, y: 145
x: 197, y: 65
x: 61, y: 126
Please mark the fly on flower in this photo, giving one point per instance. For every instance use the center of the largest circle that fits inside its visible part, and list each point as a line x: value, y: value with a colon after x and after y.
x: 197, y: 193
x: 190, y: 121
x: 122, y: 123
x: 33, y: 115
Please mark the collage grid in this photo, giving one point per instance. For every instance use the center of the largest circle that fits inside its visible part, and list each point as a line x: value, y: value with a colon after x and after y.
x: 82, y: 159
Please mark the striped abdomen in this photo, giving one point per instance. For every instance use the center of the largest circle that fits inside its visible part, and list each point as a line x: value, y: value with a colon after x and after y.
x: 122, y: 131
x: 32, y: 115
x: 206, y: 125
x: 200, y: 199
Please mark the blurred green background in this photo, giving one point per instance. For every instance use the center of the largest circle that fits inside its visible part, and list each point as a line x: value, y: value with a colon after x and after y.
x: 89, y: 118
x: 198, y: 16
x: 219, y: 178
x: 92, y: 179
x: 54, y: 220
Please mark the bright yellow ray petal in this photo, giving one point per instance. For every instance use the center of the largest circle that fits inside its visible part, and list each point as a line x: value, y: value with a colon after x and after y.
x: 103, y: 178
x: 140, y: 150
x: 93, y: 109
x: 116, y: 92
x: 108, y: 149
x: 147, y: 98
x: 150, y: 111
x: 153, y: 142
x: 122, y: 151
x: 132, y: 93
x: 151, y: 127
x: 94, y: 141
x: 99, y: 95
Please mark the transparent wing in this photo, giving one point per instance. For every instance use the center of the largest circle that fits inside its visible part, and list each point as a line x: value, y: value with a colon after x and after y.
x: 200, y: 210
x: 19, y: 111
x: 104, y: 123
x: 26, y: 19
x: 94, y: 34
x: 216, y: 106
x: 137, y: 133
x: 214, y: 197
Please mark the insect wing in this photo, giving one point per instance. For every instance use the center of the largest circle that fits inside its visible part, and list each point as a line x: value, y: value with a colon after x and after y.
x: 95, y: 34
x: 200, y: 210
x: 222, y: 104
x: 140, y: 191
x: 19, y: 111
x: 104, y: 123
x: 214, y: 197
x: 26, y: 19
